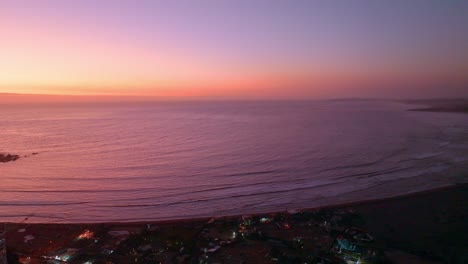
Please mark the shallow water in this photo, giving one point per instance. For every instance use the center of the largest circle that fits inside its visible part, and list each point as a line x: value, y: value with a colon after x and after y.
x: 162, y: 160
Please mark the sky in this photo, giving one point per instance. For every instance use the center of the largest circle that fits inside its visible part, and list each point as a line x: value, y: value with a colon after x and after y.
x: 236, y: 48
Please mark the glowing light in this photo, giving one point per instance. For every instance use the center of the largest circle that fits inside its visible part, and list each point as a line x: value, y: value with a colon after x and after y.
x: 85, y: 235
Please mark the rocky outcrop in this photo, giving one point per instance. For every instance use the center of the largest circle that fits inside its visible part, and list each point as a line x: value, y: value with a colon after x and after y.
x: 8, y: 157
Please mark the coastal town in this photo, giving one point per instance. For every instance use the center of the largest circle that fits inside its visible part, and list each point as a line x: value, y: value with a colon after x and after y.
x: 317, y: 236
x: 371, y: 232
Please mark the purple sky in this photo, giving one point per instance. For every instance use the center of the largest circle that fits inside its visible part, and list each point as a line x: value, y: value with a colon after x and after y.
x: 239, y: 47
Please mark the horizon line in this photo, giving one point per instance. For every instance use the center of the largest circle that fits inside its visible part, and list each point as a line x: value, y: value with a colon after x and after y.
x: 57, y: 98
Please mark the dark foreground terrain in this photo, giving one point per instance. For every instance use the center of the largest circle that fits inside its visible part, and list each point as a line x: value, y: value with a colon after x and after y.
x: 427, y: 227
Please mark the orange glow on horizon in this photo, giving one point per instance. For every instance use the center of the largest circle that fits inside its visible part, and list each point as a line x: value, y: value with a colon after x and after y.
x: 81, y: 57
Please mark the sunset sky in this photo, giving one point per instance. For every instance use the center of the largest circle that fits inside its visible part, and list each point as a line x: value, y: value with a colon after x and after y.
x: 252, y: 48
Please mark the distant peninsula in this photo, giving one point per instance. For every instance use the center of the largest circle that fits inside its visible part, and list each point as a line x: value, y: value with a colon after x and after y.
x: 441, y: 105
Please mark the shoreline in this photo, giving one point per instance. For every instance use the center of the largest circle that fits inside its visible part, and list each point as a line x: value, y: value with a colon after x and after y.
x: 233, y: 216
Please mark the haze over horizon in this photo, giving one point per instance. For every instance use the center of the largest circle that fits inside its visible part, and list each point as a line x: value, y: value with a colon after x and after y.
x: 235, y: 49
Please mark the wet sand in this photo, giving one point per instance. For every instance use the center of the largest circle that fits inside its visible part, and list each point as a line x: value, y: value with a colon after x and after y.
x: 426, y: 227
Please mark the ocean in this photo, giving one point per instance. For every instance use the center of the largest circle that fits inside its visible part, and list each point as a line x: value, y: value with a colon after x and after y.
x: 172, y: 160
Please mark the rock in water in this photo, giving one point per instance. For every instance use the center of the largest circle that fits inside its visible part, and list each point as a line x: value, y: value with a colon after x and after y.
x: 8, y: 157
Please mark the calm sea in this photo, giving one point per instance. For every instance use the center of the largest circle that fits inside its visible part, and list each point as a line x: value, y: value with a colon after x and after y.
x: 166, y: 160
